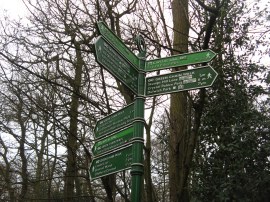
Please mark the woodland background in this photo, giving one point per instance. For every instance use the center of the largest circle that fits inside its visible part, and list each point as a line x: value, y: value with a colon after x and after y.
x: 203, y: 145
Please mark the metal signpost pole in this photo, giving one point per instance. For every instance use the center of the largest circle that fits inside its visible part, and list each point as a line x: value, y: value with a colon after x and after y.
x: 137, y: 148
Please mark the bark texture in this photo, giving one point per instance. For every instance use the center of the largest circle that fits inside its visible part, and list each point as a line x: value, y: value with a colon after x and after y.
x: 178, y: 111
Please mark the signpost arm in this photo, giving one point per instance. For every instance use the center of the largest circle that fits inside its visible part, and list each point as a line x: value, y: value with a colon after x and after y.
x: 137, y: 163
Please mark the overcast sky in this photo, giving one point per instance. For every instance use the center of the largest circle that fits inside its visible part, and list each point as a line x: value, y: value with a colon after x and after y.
x: 14, y: 8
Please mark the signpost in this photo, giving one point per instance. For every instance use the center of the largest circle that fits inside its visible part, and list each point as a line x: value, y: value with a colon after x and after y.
x: 117, y: 140
x: 180, y: 81
x: 115, y: 121
x: 119, y: 136
x: 180, y: 60
x: 118, y: 66
x: 117, y: 44
x: 111, y: 163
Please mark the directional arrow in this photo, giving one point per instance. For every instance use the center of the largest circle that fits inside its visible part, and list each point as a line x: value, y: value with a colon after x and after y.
x: 118, y: 44
x: 180, y: 60
x: 119, y: 67
x: 180, y: 81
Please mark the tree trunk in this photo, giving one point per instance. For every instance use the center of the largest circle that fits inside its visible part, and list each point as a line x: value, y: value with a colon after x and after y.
x: 72, y: 145
x: 147, y: 167
x: 40, y: 159
x: 178, y: 111
x: 24, y: 173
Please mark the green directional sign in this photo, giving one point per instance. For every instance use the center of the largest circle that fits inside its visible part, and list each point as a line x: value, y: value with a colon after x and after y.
x: 114, y: 141
x: 115, y: 121
x: 111, y: 163
x: 180, y: 81
x: 180, y: 60
x: 117, y: 44
x: 112, y: 61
